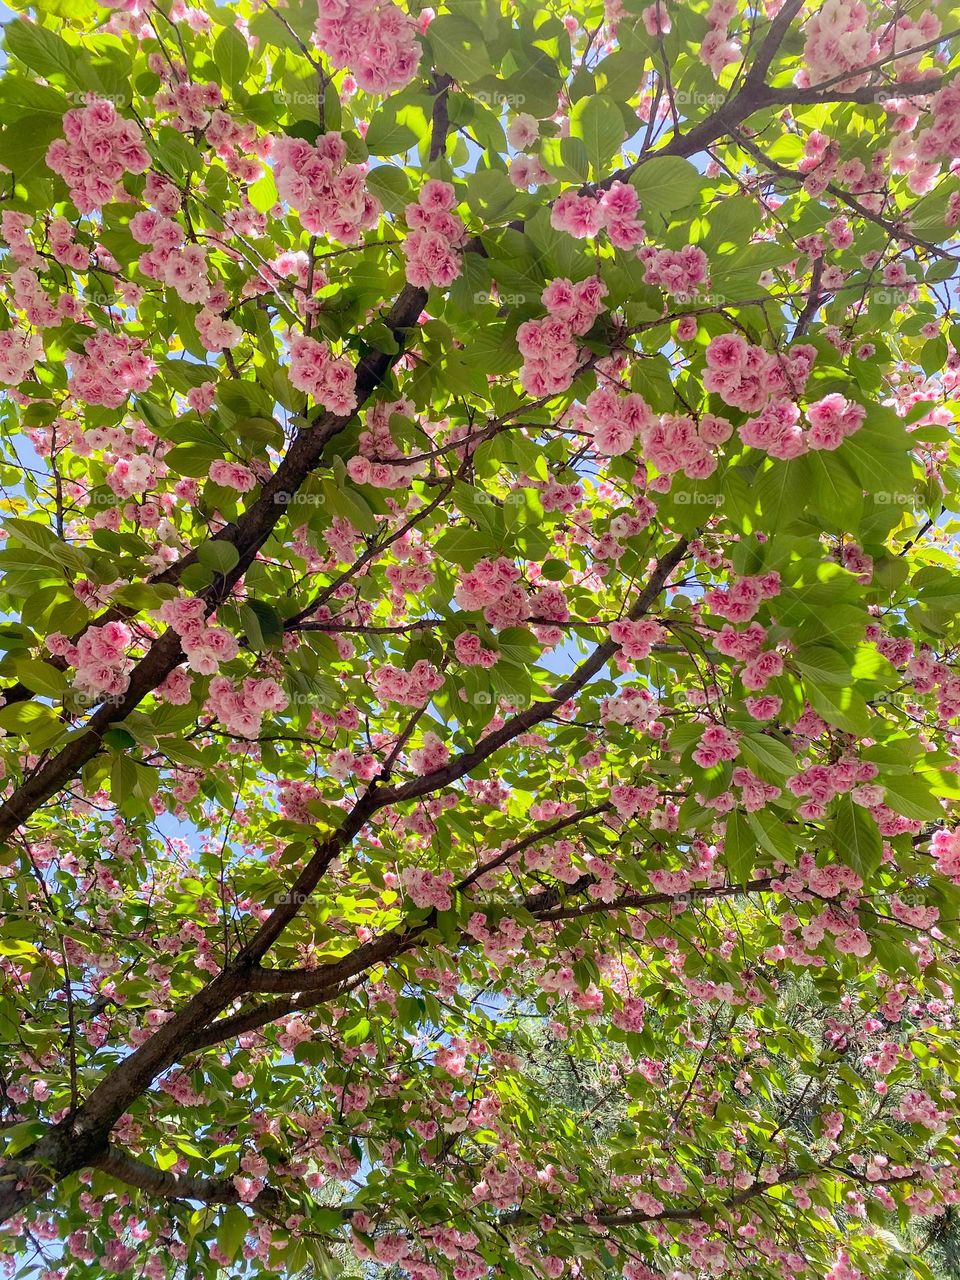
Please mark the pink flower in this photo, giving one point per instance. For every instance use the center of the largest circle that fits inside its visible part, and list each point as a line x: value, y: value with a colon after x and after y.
x: 99, y: 148
x: 374, y: 38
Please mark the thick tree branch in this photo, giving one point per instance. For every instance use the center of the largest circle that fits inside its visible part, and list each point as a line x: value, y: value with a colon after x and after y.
x: 163, y: 1185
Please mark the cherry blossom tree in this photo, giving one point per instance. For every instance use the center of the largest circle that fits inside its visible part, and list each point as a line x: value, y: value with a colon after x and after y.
x: 479, y: 591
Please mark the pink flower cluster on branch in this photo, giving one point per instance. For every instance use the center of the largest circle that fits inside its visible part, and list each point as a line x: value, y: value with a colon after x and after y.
x: 329, y: 380
x: 374, y: 38
x: 330, y: 196
x: 548, y: 347
x: 98, y: 148
x: 435, y: 234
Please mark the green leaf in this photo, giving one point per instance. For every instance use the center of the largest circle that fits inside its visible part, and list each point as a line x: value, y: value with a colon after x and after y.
x: 599, y: 124
x: 822, y: 665
x: 909, y: 795
x: 665, y: 183
x: 218, y: 555
x: 465, y: 547
x: 771, y: 753
x: 263, y: 194
x: 233, y: 1228
x: 123, y: 777
x: 459, y: 48
x: 842, y: 707
x: 231, y: 55
x: 857, y: 838
x: 390, y: 185
x: 491, y: 194
x: 773, y: 834
x: 388, y: 136
x: 739, y: 847
x: 40, y: 677
x: 45, y: 543
x: 262, y: 624
x: 42, y: 50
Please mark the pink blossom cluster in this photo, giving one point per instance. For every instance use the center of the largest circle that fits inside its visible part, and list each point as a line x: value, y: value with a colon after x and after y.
x: 374, y: 38
x: 100, y: 657
x: 743, y: 644
x: 329, y: 195
x: 470, y: 651
x: 110, y: 367
x: 168, y: 259
x: 918, y: 1107
x: 945, y: 848
x: 190, y: 101
x: 617, y: 210
x: 15, y: 227
x: 777, y: 428
x: 98, y: 148
x: 636, y: 639
x: 499, y: 941
x: 232, y: 475
x: 135, y: 473
x: 216, y: 332
x: 754, y: 792
x: 675, y: 442
x: 819, y: 784
x: 528, y: 171
x: 681, y: 272
x: 426, y: 889
x: 631, y: 1016
x: 206, y: 647
x: 432, y: 754
x: 614, y: 420
x: 19, y: 351
x: 759, y: 671
x: 65, y: 248
x: 741, y: 600
x: 716, y: 745
x: 629, y: 801
x: 561, y: 497
x: 435, y: 233
x: 241, y: 710
x: 717, y: 49
x: 407, y: 688
x: 746, y: 376
x: 635, y: 708
x: 832, y: 420
x: 31, y: 297
x: 494, y: 587
x: 376, y: 442
x: 940, y: 140
x: 548, y: 346
x: 838, y: 39
x: 330, y: 381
